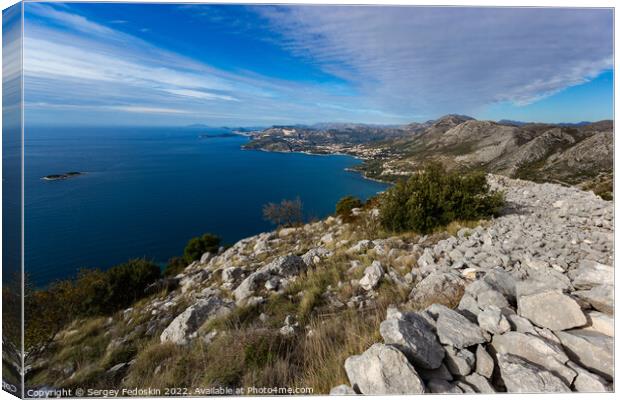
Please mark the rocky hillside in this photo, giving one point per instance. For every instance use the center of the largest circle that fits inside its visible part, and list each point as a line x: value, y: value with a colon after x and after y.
x: 324, y: 138
x: 581, y: 155
x: 573, y: 155
x: 522, y: 303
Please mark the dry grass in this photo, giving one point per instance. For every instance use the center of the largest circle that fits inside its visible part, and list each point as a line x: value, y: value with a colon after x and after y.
x: 453, y: 227
x: 248, y: 352
x: 162, y: 365
x: 339, y: 335
x: 334, y: 339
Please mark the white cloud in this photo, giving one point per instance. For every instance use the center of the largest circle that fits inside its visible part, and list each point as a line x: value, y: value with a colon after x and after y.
x: 455, y: 59
x: 147, y: 110
x: 397, y: 63
x: 200, y: 95
x: 75, y: 21
x: 73, y: 65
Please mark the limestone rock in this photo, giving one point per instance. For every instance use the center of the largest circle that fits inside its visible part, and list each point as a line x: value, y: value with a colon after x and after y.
x: 503, y: 282
x: 469, y: 307
x: 491, y: 298
x: 479, y: 383
x: 441, y: 373
x: 456, y: 330
x: 185, y: 325
x: 590, y: 274
x: 327, y: 238
x: 231, y: 274
x: 600, y: 322
x: 286, y: 232
x: 518, y: 323
x: 551, y: 309
x: 117, y: 368
x: 535, y: 350
x: 492, y: 320
x: 588, y: 382
x: 290, y: 265
x: 590, y: 349
x: 314, y: 256
x: 341, y: 390
x: 484, y: 362
x: 466, y: 388
x: 190, y: 282
x: 521, y: 376
x: 272, y: 283
x: 460, y: 362
x: 599, y: 297
x: 206, y: 257
x: 249, y: 285
x: 413, y: 335
x: 542, y: 280
x: 443, y: 386
x: 361, y: 247
x: 372, y: 276
x: 382, y: 369
x: 438, y: 287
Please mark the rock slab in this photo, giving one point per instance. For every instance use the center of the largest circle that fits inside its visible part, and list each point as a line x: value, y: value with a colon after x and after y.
x: 382, y: 369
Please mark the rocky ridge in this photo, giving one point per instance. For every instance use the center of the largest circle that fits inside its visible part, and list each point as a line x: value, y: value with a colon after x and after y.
x: 522, y: 303
x: 530, y: 318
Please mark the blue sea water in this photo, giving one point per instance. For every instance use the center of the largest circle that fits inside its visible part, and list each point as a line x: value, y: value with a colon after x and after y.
x: 147, y: 191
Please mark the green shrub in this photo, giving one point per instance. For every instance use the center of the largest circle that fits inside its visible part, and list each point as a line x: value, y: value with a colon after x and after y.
x: 197, y: 246
x: 345, y: 205
x: 93, y: 292
x: 126, y: 283
x: 435, y: 197
x: 175, y: 266
x: 98, y: 292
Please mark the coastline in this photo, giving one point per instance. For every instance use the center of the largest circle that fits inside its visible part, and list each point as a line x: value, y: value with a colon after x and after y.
x: 309, y: 153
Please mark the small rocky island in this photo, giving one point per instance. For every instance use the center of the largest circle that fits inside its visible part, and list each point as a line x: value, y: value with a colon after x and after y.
x: 59, y: 177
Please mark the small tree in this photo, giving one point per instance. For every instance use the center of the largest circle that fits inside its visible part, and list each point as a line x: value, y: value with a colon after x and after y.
x: 346, y: 205
x: 435, y: 197
x: 197, y: 246
x: 286, y: 213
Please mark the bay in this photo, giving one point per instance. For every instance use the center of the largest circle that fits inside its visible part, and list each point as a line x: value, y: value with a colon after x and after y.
x: 147, y: 191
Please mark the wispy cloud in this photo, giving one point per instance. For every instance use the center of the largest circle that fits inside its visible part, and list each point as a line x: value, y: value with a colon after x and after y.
x: 195, y: 94
x: 388, y: 64
x: 148, y: 110
x: 102, y: 66
x: 450, y: 58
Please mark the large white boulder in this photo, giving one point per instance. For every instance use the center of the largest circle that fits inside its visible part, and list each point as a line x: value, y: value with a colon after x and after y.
x: 551, y: 309
x: 382, y: 369
x: 372, y: 276
x: 185, y: 325
x: 413, y: 335
x: 521, y: 376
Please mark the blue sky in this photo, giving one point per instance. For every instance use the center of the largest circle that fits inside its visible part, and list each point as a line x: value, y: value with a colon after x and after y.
x: 156, y: 64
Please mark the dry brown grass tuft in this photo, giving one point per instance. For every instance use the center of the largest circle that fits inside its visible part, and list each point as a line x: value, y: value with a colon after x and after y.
x: 334, y: 339
x: 453, y: 227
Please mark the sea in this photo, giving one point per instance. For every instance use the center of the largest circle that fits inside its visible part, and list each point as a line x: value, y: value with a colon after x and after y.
x: 146, y: 191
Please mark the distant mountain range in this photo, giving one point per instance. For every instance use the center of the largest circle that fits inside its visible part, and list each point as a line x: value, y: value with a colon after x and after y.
x: 228, y: 128
x: 521, y: 123
x: 574, y: 154
x: 353, y: 125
